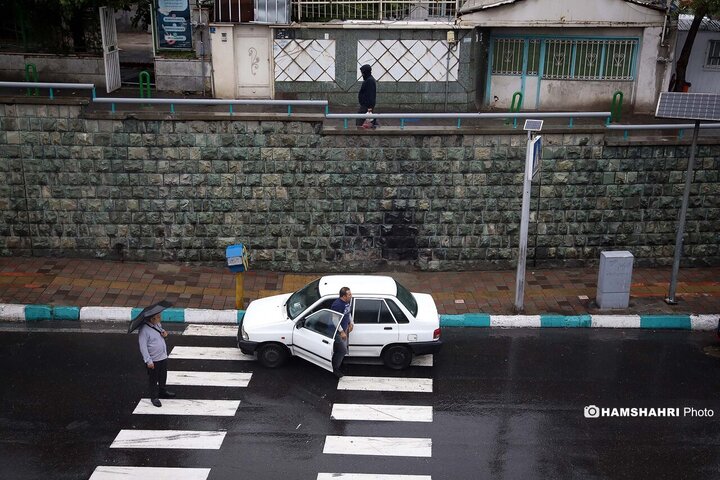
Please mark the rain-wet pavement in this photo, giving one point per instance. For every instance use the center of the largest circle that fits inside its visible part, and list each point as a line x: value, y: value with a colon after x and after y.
x: 506, y: 404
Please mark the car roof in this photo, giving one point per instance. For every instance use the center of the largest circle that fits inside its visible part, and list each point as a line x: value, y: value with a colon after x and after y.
x: 358, y: 284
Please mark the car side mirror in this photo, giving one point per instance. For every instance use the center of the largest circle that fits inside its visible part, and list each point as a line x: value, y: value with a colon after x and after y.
x: 300, y: 323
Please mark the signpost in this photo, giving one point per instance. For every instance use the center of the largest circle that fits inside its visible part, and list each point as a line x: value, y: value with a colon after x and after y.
x: 687, y: 106
x: 533, y: 157
x: 238, y: 262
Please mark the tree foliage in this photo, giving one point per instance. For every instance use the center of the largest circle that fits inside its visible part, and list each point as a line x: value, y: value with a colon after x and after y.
x: 61, y: 26
x: 699, y: 9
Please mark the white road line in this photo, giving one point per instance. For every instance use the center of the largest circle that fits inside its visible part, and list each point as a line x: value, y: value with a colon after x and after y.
x: 149, y: 473
x: 381, y: 446
x: 382, y: 413
x: 210, y: 353
x: 209, y: 379
x: 174, y: 406
x: 149, y: 439
x: 211, y: 330
x: 369, y: 476
x: 422, y: 361
x: 385, y: 384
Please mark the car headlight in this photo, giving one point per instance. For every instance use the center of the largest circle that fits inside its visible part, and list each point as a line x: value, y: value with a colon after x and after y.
x: 244, y: 334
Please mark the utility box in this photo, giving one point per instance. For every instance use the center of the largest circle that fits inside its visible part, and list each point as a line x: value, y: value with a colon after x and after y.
x: 613, y: 286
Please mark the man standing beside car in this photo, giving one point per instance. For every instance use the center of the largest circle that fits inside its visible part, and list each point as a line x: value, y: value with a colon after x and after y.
x: 340, y: 348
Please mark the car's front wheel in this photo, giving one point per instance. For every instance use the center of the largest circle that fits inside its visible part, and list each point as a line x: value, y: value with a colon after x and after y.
x: 272, y: 355
x: 397, y: 357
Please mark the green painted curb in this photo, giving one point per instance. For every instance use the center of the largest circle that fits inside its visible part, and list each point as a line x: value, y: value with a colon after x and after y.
x: 564, y: 321
x: 36, y: 313
x: 240, y: 316
x: 173, y: 315
x: 66, y: 313
x: 677, y: 322
x: 465, y: 320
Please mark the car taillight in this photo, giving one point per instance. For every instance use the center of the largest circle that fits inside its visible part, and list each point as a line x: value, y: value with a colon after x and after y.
x: 436, y: 334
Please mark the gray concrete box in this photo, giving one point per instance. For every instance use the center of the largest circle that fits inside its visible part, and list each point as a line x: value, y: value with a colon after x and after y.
x: 613, y: 289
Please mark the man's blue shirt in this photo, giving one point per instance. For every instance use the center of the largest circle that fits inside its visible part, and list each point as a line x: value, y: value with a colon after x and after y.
x: 342, y: 307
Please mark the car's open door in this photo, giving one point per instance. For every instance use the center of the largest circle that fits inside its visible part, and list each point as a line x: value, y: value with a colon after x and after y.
x: 314, y: 335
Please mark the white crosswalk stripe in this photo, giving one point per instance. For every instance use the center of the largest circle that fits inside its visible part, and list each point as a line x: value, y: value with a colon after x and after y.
x: 382, y: 413
x: 209, y: 379
x: 149, y: 439
x: 385, y: 384
x: 209, y: 353
x: 369, y: 476
x: 380, y: 446
x: 211, y: 330
x: 174, y: 406
x: 149, y: 473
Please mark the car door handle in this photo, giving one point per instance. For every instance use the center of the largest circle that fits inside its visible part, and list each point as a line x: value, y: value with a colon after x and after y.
x: 325, y: 341
x: 387, y: 328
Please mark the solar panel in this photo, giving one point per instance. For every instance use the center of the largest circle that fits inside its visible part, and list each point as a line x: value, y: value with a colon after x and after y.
x: 689, y: 106
x: 534, y: 125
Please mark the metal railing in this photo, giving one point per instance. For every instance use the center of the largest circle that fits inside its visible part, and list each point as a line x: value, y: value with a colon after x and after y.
x: 460, y: 116
x: 50, y: 86
x: 680, y: 127
x: 396, y: 10
x: 211, y: 102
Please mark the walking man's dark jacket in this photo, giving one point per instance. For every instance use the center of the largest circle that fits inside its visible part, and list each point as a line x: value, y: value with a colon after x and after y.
x: 366, y: 96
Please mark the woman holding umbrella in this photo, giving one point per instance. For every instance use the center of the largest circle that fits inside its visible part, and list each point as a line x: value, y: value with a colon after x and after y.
x: 151, y: 338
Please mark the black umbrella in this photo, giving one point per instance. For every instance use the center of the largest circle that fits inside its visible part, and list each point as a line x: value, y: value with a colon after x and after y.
x: 147, y: 313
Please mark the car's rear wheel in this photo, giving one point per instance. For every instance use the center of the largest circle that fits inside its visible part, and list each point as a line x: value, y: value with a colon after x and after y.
x: 272, y: 355
x: 397, y: 357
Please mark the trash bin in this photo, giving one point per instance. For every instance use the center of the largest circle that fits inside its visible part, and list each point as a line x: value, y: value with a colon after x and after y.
x: 614, y: 278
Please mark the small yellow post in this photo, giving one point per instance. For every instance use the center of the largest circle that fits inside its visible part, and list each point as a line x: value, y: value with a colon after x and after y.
x: 239, y: 291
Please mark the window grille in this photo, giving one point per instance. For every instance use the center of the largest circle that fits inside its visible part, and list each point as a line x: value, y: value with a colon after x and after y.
x: 713, y: 54
x: 567, y: 58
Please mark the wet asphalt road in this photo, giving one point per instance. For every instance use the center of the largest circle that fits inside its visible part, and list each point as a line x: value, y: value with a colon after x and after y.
x: 507, y: 404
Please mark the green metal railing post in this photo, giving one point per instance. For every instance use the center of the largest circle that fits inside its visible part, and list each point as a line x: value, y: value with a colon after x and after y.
x: 616, y: 106
x: 515, y: 107
x: 144, y: 79
x: 31, y: 75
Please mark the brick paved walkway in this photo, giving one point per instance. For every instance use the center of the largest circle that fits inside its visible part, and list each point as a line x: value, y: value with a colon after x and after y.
x: 72, y: 282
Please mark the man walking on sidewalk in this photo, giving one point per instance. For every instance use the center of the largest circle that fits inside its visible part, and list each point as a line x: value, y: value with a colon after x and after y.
x: 366, y: 95
x: 153, y: 348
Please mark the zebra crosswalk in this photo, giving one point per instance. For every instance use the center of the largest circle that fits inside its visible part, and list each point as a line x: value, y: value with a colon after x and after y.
x: 382, y: 413
x: 149, y: 473
x: 147, y: 439
x: 175, y: 406
x: 188, y: 407
x: 407, y: 447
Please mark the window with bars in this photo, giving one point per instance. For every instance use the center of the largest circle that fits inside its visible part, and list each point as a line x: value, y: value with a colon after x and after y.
x: 713, y: 55
x: 566, y: 58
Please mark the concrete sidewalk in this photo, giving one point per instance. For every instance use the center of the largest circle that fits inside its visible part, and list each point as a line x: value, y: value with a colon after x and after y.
x: 81, y: 283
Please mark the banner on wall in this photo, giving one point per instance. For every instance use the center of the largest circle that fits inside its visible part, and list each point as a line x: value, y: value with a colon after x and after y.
x: 174, y: 31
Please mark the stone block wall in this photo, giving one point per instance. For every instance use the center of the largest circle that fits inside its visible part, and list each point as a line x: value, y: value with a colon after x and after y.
x: 305, y: 199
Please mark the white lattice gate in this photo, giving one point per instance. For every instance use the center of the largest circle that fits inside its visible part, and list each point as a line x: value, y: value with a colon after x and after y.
x: 111, y: 54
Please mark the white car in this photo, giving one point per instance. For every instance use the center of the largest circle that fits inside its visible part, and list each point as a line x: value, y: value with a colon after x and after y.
x: 390, y: 322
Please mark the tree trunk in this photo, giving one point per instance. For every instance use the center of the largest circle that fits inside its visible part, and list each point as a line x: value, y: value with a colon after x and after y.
x: 684, y: 58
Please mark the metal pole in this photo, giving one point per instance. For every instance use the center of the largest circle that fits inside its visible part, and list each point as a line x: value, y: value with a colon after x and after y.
x: 524, y: 220
x: 683, y: 214
x: 239, y: 291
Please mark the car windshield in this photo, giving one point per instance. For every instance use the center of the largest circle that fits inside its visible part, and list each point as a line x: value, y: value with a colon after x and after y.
x: 303, y: 298
x: 407, y: 299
